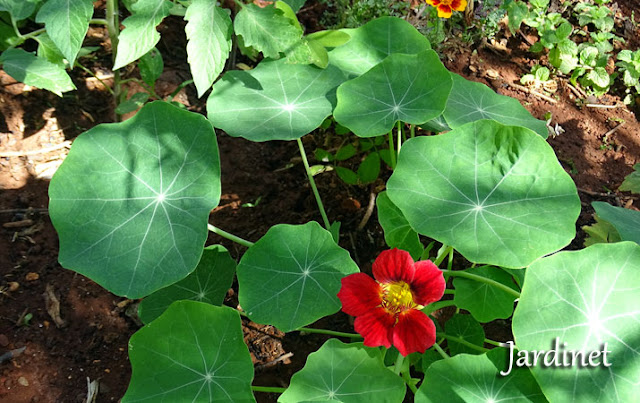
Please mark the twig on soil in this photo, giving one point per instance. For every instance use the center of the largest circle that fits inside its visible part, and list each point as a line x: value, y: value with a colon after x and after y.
x: 599, y: 194
x: 11, y: 354
x: 274, y: 362
x: 525, y: 38
x: 18, y: 224
x: 610, y: 132
x: 64, y: 144
x: 367, y: 214
x: 532, y: 92
x: 53, y: 306
x: 576, y: 91
x: 602, y: 106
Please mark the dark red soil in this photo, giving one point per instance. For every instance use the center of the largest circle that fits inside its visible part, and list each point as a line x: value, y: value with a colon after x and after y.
x: 92, y: 344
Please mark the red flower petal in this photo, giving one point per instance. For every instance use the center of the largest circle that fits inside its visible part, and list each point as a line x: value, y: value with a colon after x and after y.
x: 376, y: 327
x: 414, y: 332
x: 359, y: 294
x: 393, y: 265
x: 428, y: 283
x: 444, y: 11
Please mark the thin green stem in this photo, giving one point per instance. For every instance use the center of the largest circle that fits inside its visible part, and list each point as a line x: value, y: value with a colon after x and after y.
x: 442, y: 255
x: 98, y: 21
x: 450, y: 262
x: 493, y: 342
x: 397, y: 367
x: 229, y: 236
x: 329, y: 332
x: 392, y: 152
x: 312, y: 182
x: 441, y: 351
x: 412, y: 129
x: 463, y: 342
x: 471, y: 276
x: 96, y: 77
x: 399, y: 137
x: 113, y: 28
x: 268, y: 389
x: 407, y: 379
x: 437, y: 305
x: 449, y: 291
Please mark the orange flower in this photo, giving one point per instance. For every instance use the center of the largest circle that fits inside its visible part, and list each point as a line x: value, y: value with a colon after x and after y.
x: 446, y: 7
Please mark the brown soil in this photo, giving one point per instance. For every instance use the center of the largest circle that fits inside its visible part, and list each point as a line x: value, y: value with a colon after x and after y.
x: 92, y: 341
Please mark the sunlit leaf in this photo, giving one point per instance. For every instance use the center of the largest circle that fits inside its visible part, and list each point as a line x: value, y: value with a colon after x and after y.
x: 274, y: 101
x: 291, y: 276
x: 584, y: 299
x: 496, y: 193
x: 66, y: 23
x: 625, y: 221
x: 35, y: 71
x: 484, y: 301
x: 407, y: 88
x: 193, y: 352
x: 344, y: 372
x: 131, y: 202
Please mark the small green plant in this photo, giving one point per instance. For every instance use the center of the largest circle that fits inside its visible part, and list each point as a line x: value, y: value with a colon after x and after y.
x: 591, y: 70
x: 599, y: 16
x: 629, y: 65
x: 539, y: 78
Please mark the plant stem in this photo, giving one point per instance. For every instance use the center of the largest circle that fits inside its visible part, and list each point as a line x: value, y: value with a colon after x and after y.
x: 442, y: 255
x: 399, y: 137
x: 441, y: 351
x: 397, y: 367
x: 329, y: 332
x: 96, y: 77
x: 437, y: 305
x: 229, y: 236
x: 312, y: 182
x: 449, y: 291
x: 268, y: 389
x: 98, y: 21
x: 495, y: 343
x: 412, y: 129
x: 113, y: 27
x: 471, y: 276
x: 463, y: 342
x: 407, y: 379
x: 392, y: 152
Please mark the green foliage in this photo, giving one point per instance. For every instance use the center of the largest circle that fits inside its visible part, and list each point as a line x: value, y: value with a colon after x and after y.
x: 467, y: 329
x: 483, y: 301
x: 397, y: 231
x: 128, y: 214
x: 600, y: 232
x: 151, y: 66
x: 38, y: 72
x: 629, y: 64
x: 631, y: 182
x: 625, y: 221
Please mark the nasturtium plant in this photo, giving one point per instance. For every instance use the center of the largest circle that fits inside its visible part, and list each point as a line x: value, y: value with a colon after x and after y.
x: 483, y: 301
x: 291, y: 276
x: 466, y: 331
x: 475, y: 378
x: 209, y: 283
x: 470, y: 101
x: 194, y: 351
x: 495, y: 193
x: 373, y: 42
x: 397, y: 231
x: 274, y: 101
x: 408, y: 88
x: 585, y: 300
x: 338, y: 371
x: 132, y: 200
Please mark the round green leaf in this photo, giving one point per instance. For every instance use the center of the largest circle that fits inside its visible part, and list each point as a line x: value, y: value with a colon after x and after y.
x: 374, y: 41
x: 131, y: 202
x: 496, y: 193
x: 585, y: 299
x: 209, y: 283
x: 463, y: 327
x: 625, y: 221
x: 397, y: 231
x: 483, y: 301
x: 274, y: 101
x: 291, y: 276
x: 193, y: 352
x: 474, y: 378
x: 470, y: 101
x: 409, y: 88
x: 345, y: 373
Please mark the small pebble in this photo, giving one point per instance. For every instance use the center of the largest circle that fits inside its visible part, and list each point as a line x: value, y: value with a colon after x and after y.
x: 31, y: 276
x: 23, y: 381
x: 13, y: 286
x: 4, y: 340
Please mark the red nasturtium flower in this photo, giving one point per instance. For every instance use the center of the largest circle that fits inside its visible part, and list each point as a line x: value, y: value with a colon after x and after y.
x: 446, y: 7
x: 387, y: 309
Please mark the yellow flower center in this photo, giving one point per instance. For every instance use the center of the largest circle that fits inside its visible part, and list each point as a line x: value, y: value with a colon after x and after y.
x: 397, y: 297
